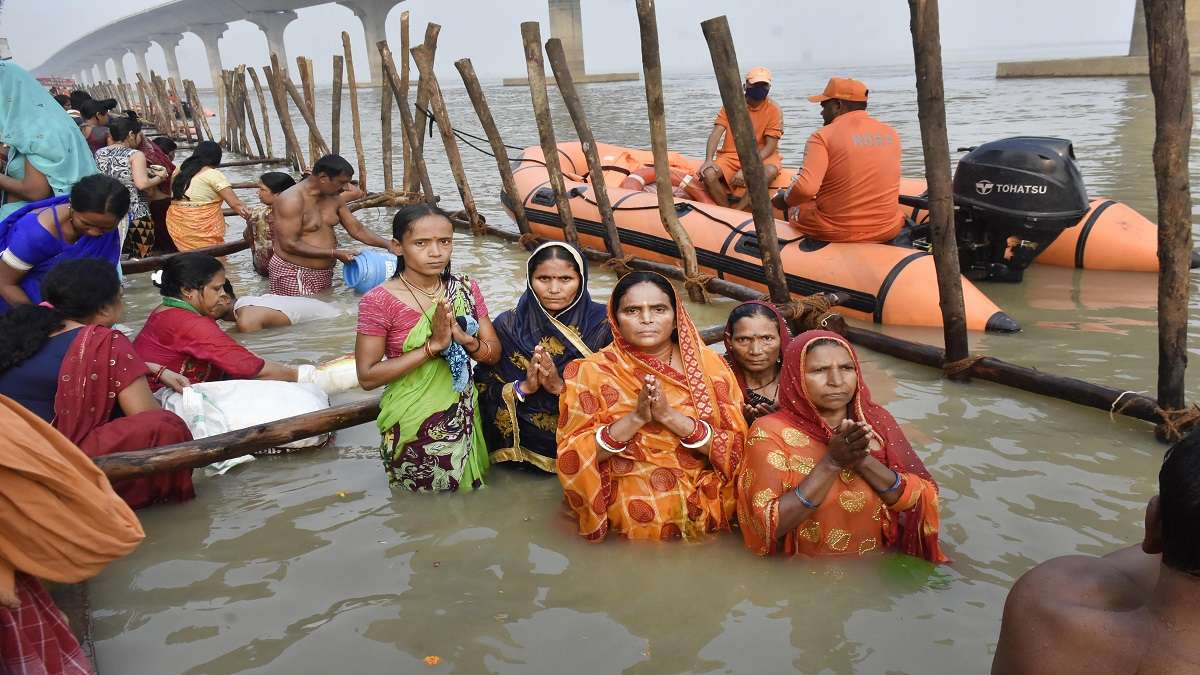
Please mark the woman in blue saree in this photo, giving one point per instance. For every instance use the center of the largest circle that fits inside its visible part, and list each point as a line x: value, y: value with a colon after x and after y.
x: 42, y: 153
x: 555, y: 322
x: 38, y: 236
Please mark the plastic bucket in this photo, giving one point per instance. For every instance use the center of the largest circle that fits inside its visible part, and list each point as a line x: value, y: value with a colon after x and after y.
x: 368, y: 269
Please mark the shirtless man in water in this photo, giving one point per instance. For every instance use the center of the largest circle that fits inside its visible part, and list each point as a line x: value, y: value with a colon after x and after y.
x: 305, y: 244
x: 1133, y: 611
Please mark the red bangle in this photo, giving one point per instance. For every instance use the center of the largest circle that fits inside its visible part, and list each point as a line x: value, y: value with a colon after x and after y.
x: 158, y: 375
x: 698, y: 432
x: 610, y: 441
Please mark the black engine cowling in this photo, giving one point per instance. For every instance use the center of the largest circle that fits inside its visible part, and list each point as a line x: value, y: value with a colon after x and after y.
x: 1014, y: 197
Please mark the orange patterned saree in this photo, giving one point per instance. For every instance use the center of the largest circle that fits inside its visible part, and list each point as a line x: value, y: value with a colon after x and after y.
x: 654, y: 488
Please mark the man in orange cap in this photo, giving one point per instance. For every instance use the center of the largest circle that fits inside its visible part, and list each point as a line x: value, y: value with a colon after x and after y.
x: 722, y: 175
x: 849, y: 186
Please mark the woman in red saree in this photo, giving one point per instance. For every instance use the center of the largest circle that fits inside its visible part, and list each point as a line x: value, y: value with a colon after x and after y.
x: 831, y: 473
x: 650, y: 427
x: 64, y: 362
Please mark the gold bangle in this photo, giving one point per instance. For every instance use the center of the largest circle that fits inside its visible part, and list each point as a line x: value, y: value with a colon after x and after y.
x: 425, y: 347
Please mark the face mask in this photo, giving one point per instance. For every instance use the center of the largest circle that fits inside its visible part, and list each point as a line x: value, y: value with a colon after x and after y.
x: 757, y: 93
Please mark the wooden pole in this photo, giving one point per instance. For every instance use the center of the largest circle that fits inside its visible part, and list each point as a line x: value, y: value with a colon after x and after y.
x: 164, y: 104
x: 931, y: 111
x: 228, y: 126
x: 237, y: 79
x: 406, y: 146
x: 336, y: 121
x: 652, y: 67
x: 385, y: 128
x: 262, y: 105
x: 420, y: 173
x: 305, y: 113
x: 142, y: 97
x: 198, y: 108
x: 256, y: 161
x: 285, y: 118
x: 484, y: 111
x: 729, y: 80
x: 196, y: 113
x: 355, y: 119
x: 432, y: 30
x: 1167, y: 38
x: 531, y: 35
x: 308, y: 89
x: 423, y: 55
x: 570, y: 96
x: 177, y: 102
x: 244, y: 97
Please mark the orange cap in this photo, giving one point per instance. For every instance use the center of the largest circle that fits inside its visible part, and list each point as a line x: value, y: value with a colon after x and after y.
x: 758, y: 74
x: 842, y: 88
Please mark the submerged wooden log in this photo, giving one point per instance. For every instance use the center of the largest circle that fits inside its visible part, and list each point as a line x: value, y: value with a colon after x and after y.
x: 253, y: 162
x: 935, y: 145
x: 1167, y: 37
x: 136, y: 265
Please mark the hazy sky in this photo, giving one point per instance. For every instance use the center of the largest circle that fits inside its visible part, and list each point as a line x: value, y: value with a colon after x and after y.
x: 837, y: 32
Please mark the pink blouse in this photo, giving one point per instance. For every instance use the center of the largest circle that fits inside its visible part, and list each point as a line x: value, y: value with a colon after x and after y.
x: 381, y: 314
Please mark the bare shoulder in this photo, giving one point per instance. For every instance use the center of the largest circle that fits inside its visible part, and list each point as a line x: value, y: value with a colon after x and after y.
x: 1070, y: 614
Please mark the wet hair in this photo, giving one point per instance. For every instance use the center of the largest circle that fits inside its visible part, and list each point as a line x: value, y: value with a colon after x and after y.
x: 404, y: 219
x: 277, y: 181
x: 207, y: 154
x: 633, y: 279
x: 122, y: 126
x: 100, y: 193
x: 229, y: 290
x: 745, y: 311
x: 188, y: 271
x: 1179, y: 504
x: 554, y: 253
x: 63, y: 100
x: 78, y: 97
x: 332, y: 166
x: 165, y: 144
x: 27, y: 328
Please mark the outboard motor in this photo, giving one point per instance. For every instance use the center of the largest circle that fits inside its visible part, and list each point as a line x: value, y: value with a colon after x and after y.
x: 1013, y: 197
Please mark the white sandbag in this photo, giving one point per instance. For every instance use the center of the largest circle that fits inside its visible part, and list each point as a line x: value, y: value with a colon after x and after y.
x: 212, y: 408
x: 337, y: 375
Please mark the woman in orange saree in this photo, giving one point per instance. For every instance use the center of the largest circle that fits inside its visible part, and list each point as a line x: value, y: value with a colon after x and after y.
x: 831, y: 473
x: 650, y: 427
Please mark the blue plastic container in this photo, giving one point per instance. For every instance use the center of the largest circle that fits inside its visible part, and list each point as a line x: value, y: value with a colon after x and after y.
x: 368, y: 269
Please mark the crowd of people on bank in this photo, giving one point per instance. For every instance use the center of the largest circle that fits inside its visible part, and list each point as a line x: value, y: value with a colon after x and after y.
x: 652, y: 434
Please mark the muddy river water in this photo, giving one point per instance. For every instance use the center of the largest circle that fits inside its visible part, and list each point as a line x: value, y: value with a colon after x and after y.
x: 309, y: 563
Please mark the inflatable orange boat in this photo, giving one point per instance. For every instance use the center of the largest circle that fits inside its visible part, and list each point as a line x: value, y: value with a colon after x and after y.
x: 886, y: 284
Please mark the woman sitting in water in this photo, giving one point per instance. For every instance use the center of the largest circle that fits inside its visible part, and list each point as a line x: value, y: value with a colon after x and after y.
x: 38, y: 236
x: 650, y: 428
x: 755, y: 337
x: 63, y: 362
x: 198, y: 190
x: 555, y: 322
x: 429, y: 323
x: 182, y: 335
x: 258, y: 230
x: 831, y: 473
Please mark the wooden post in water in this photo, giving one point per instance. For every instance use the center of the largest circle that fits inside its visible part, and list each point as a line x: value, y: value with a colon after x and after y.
x: 198, y: 108
x: 308, y: 89
x: 421, y: 114
x: 320, y: 148
x: 931, y: 111
x: 423, y: 55
x: 385, y: 127
x: 405, y: 145
x: 237, y: 78
x: 1167, y: 38
x: 336, y: 114
x: 570, y: 96
x: 177, y: 102
x: 229, y: 122
x: 164, y: 103
x: 420, y: 173
x: 479, y: 101
x: 274, y: 81
x: 355, y: 119
x: 196, y: 114
x: 729, y: 79
x: 652, y: 74
x: 142, y: 97
x: 244, y: 95
x: 262, y: 105
x: 531, y: 35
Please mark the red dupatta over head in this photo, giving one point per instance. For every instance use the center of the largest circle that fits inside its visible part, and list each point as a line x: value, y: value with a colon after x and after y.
x: 785, y: 338
x: 895, y: 452
x: 98, y: 365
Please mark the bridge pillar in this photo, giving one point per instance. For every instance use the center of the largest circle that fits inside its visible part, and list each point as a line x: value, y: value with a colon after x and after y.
x: 272, y: 24
x: 99, y: 72
x: 210, y: 34
x: 372, y: 14
x: 84, y: 77
x: 118, y: 65
x: 139, y: 50
x: 169, y: 43
x: 566, y: 24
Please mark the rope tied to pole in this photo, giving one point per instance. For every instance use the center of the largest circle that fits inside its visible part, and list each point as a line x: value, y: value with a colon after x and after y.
x: 698, y: 281
x: 528, y: 240
x: 961, y: 366
x: 476, y: 228
x: 620, y: 266
x: 1176, y: 422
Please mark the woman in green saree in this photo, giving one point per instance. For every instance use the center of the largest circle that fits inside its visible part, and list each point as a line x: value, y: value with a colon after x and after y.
x: 430, y: 324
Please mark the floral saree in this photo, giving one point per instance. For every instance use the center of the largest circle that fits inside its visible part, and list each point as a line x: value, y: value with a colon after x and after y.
x: 432, y: 437
x: 655, y: 488
x: 852, y: 520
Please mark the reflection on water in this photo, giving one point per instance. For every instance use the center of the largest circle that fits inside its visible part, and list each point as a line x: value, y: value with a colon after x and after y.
x: 295, y: 563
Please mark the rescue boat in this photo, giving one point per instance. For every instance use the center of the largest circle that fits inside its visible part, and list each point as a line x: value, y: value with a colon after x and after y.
x: 885, y: 284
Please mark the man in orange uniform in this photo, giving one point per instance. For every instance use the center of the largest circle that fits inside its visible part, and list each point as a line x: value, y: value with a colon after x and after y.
x: 849, y: 186
x: 723, y: 175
